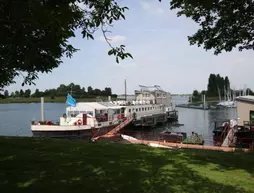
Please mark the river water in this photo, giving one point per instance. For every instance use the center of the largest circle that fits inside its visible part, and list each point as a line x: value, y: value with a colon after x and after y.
x: 15, y: 118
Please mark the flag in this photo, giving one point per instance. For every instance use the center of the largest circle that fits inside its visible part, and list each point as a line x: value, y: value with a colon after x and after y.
x: 70, y: 101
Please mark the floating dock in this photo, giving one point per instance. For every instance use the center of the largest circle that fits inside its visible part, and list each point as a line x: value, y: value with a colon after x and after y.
x: 189, y: 146
x: 192, y: 106
x: 162, y: 144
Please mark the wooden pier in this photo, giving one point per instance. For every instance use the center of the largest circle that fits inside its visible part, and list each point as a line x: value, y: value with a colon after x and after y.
x: 189, y: 146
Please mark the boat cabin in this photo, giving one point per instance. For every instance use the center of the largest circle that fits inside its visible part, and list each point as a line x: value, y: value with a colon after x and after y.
x: 96, y: 113
x: 245, y: 110
x: 154, y: 94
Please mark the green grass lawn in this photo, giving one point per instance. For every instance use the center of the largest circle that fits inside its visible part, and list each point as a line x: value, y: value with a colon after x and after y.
x: 47, y: 99
x: 47, y: 165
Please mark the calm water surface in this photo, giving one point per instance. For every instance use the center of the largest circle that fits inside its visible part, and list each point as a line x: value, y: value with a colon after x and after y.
x: 15, y: 118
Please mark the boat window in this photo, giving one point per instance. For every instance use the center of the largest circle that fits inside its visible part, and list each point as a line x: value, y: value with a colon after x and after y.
x: 129, y: 110
x: 90, y: 113
x: 145, y: 109
x: 142, y: 109
x: 139, y: 109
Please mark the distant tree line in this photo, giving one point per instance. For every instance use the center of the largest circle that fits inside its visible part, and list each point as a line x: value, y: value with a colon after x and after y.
x: 76, y: 90
x: 216, y: 86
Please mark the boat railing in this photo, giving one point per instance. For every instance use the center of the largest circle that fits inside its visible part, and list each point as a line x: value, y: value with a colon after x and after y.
x: 135, y: 103
x: 46, y: 122
x: 248, y: 123
x: 225, y: 131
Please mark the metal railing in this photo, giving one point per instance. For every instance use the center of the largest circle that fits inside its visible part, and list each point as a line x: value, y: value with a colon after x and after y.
x: 103, y: 131
x: 248, y: 123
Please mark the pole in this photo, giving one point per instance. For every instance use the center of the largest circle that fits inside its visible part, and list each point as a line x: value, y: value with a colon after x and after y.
x: 204, y: 102
x: 125, y: 90
x: 42, y: 108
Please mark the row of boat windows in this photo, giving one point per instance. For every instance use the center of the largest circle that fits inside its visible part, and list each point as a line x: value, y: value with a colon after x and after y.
x: 75, y: 113
x: 158, y: 95
x: 144, y: 109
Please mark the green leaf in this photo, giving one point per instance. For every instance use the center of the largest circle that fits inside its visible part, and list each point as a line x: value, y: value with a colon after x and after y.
x: 90, y: 36
x: 129, y: 55
x: 110, y: 52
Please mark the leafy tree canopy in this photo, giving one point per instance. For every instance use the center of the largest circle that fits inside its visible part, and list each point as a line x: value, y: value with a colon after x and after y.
x: 224, y: 24
x: 34, y: 33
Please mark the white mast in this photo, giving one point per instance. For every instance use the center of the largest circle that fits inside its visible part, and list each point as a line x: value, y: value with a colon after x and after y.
x: 219, y: 93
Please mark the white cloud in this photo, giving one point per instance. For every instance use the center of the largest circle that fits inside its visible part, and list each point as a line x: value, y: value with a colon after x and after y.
x: 113, y: 39
x: 151, y: 8
x: 145, y: 5
x: 159, y: 11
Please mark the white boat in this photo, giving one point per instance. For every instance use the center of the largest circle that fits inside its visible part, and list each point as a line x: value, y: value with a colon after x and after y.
x: 227, y: 104
x: 89, y: 118
x: 159, y: 146
x: 127, y: 137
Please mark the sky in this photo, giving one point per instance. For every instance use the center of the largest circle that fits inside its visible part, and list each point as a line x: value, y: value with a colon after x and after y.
x: 157, y: 39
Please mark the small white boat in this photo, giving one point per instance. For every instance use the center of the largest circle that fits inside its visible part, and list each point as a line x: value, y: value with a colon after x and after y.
x: 159, y: 146
x: 127, y: 137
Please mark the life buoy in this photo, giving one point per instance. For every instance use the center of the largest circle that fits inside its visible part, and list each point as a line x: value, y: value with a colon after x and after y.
x: 79, y: 122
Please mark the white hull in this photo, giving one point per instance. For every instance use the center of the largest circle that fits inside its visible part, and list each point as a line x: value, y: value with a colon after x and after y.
x: 127, y: 137
x: 59, y: 128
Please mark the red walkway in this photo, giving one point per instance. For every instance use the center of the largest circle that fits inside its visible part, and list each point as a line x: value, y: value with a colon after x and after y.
x: 114, y: 131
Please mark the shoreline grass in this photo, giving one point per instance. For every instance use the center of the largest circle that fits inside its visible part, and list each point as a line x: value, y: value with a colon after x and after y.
x: 47, y: 165
x: 47, y: 100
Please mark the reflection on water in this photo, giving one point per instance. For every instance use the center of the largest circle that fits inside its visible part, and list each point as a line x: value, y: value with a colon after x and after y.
x: 15, y: 118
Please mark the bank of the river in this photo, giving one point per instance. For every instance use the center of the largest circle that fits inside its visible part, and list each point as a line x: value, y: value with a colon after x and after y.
x: 47, y: 165
x: 208, y: 99
x: 46, y: 99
